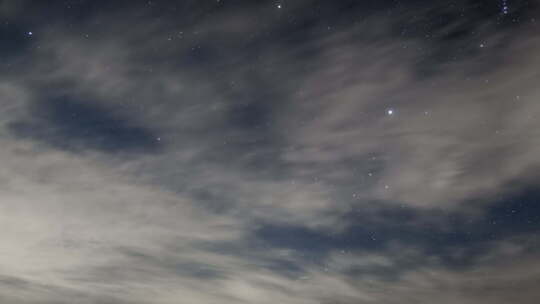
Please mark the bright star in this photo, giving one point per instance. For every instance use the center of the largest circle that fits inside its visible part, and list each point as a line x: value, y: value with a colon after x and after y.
x: 279, y: 6
x: 30, y: 33
x: 390, y: 112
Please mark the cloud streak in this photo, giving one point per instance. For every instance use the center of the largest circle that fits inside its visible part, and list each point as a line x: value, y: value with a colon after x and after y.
x: 245, y: 154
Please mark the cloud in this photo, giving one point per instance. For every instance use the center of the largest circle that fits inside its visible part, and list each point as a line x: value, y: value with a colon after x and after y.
x: 152, y: 160
x: 438, y: 147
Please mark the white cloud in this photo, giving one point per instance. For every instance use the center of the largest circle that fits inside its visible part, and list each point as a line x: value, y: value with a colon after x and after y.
x: 95, y: 225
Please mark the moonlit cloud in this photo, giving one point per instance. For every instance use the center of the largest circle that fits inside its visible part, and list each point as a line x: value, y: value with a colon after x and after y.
x: 295, y: 152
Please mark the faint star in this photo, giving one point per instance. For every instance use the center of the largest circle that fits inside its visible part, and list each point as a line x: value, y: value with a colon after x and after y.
x: 279, y: 6
x: 30, y: 33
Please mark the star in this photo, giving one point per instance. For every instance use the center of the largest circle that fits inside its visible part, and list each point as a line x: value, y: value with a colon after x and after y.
x: 390, y: 112
x: 279, y: 6
x: 30, y: 33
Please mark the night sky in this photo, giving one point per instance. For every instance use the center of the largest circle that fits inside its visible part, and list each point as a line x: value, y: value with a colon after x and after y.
x: 263, y: 152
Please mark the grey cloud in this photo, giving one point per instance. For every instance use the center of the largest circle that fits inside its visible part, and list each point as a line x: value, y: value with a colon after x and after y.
x: 439, y: 139
x: 268, y: 181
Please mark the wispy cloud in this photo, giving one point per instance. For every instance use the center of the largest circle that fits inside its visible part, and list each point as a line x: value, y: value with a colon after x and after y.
x: 153, y: 160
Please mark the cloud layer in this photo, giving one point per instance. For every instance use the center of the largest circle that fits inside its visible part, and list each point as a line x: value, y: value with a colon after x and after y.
x: 228, y: 152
